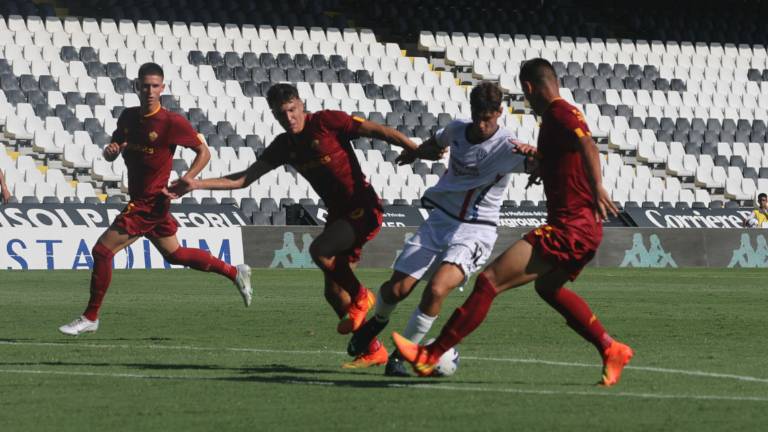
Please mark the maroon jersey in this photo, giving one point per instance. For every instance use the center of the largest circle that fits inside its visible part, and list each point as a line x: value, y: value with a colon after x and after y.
x: 152, y: 141
x: 323, y: 154
x: 570, y: 200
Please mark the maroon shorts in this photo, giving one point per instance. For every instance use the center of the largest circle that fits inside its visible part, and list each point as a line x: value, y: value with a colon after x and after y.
x: 366, y: 223
x: 567, y: 251
x: 150, y: 218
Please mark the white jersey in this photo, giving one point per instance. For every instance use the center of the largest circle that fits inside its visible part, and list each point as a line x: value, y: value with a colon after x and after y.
x: 472, y: 188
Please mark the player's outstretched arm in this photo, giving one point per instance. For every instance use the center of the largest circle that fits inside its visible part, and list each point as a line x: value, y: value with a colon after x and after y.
x: 393, y: 136
x: 202, y: 157
x: 236, y: 180
x: 603, y: 202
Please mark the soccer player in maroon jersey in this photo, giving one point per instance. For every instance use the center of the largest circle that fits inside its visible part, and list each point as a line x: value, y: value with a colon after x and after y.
x: 553, y: 254
x: 318, y: 146
x: 147, y: 137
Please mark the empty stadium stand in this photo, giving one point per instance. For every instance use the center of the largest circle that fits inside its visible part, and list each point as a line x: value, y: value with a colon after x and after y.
x: 679, y: 113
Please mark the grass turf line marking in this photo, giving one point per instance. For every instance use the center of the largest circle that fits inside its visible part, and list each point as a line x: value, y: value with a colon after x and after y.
x: 492, y: 359
x: 430, y: 387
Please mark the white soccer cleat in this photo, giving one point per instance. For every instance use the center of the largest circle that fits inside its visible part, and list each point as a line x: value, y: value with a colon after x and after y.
x: 79, y: 326
x: 243, y: 283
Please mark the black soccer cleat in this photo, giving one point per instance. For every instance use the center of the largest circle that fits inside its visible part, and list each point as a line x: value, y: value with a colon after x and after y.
x: 396, y: 366
x: 360, y: 340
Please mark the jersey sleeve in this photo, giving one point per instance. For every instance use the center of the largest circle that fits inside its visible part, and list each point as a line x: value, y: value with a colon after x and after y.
x: 182, y: 133
x: 573, y: 120
x: 119, y: 134
x: 276, y: 153
x: 342, y: 122
x: 443, y: 136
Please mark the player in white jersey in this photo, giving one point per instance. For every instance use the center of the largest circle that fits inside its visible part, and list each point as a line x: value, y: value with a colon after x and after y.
x: 458, y: 237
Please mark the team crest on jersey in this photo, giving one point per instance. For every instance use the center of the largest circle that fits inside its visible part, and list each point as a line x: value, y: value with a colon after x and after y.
x: 357, y: 213
x: 480, y: 154
x: 152, y: 136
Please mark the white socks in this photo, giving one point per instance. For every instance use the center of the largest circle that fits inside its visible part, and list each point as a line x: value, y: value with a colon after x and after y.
x: 382, y: 311
x: 418, y: 325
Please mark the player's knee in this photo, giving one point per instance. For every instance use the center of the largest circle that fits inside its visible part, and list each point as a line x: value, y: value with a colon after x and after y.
x: 394, y: 292
x: 320, y: 256
x: 439, y: 291
x: 101, y: 252
x: 490, y: 276
x: 545, y: 291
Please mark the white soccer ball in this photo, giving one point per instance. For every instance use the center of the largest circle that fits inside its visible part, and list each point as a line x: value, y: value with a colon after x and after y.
x: 448, y: 362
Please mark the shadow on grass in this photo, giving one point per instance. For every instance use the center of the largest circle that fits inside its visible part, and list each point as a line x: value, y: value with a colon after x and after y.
x: 261, y: 374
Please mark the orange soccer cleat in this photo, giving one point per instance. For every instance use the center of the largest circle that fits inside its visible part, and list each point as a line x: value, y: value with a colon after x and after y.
x: 357, y: 312
x: 365, y: 360
x: 615, y: 357
x: 418, y: 356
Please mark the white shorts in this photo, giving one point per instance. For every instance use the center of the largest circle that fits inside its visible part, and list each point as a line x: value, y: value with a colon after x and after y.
x: 444, y: 239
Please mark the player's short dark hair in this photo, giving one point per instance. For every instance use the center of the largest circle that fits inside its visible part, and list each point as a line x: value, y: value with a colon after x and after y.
x: 485, y: 97
x: 150, y: 69
x: 761, y: 196
x: 279, y: 94
x: 537, y: 71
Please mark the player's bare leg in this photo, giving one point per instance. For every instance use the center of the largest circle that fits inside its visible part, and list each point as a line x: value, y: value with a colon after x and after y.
x: 199, y: 259
x: 112, y: 241
x: 517, y: 266
x: 335, y: 241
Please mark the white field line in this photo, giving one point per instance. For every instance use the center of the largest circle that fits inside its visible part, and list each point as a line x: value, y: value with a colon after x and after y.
x: 326, y: 352
x: 431, y: 387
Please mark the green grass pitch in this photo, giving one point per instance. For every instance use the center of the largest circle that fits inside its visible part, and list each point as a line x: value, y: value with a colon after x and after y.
x: 178, y: 352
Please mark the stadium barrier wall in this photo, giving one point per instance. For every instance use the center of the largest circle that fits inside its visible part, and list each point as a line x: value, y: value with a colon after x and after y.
x: 61, y: 236
x: 288, y: 247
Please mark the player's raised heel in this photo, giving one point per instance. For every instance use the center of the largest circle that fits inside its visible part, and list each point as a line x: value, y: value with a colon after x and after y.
x: 357, y: 311
x: 79, y: 326
x: 615, y: 357
x: 243, y: 283
x: 418, y: 356
x: 376, y: 358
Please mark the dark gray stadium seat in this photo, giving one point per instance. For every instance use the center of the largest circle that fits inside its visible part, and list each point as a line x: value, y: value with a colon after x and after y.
x: 665, y: 204
x: 509, y: 203
x: 259, y: 218
x: 196, y: 58
x: 750, y: 172
x: 209, y: 201
x: 50, y: 200
x: 268, y: 205
x: 306, y: 202
x: 620, y: 70
x: 715, y: 204
x: 228, y: 201
x: 187, y: 200
x: 439, y: 168
x: 279, y: 218
x: 732, y: 204
x: 92, y: 200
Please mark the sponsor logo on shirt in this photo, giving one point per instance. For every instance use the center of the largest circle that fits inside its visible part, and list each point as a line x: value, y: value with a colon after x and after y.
x: 152, y: 136
x: 140, y: 148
